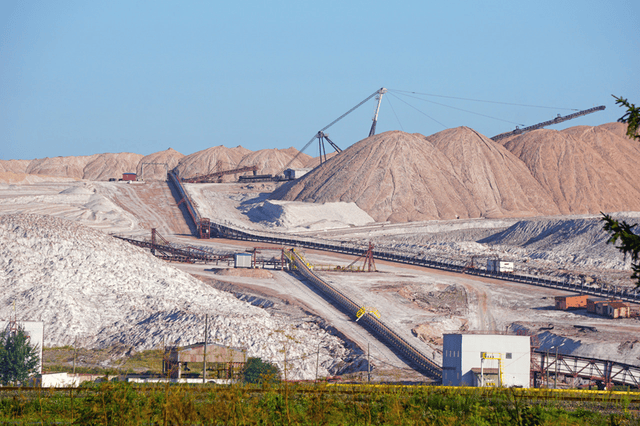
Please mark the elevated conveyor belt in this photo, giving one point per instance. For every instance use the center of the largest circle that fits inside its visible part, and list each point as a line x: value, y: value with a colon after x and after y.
x: 605, y: 371
x: 168, y: 252
x: 223, y: 231
x: 373, y: 324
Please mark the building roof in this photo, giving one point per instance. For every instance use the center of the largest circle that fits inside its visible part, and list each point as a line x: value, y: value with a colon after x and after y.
x: 616, y: 305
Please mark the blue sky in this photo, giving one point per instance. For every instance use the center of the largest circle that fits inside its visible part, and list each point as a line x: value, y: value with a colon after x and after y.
x: 86, y: 77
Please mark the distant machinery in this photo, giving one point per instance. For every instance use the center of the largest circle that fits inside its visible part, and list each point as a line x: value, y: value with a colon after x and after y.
x: 209, y: 178
x: 558, y: 119
x: 163, y: 249
x: 321, y: 136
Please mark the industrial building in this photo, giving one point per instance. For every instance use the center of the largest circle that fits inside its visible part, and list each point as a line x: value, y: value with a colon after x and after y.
x: 291, y: 174
x: 223, y: 361
x: 243, y: 260
x: 593, y: 302
x: 573, y: 301
x: 617, y: 310
x: 497, y: 265
x: 481, y: 359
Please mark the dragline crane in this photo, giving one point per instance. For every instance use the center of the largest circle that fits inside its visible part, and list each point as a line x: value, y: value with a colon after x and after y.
x: 321, y: 136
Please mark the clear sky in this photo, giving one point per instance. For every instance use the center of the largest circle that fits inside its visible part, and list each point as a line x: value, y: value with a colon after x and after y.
x: 87, y: 77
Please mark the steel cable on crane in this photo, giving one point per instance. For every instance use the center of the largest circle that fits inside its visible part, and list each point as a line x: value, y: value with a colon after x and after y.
x: 464, y: 110
x: 325, y: 128
x: 421, y: 112
x: 480, y: 100
x: 394, y: 113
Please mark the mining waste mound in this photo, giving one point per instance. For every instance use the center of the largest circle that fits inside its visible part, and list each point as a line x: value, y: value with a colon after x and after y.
x: 584, y: 169
x: 400, y: 177
x: 499, y: 183
x: 152, y: 166
x: 92, y: 167
x: 89, y: 287
x: 14, y: 166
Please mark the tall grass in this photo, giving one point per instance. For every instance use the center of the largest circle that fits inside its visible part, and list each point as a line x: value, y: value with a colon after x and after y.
x: 117, y: 403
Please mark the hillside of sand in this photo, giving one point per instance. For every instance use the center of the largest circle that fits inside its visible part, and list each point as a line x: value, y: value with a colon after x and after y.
x: 459, y: 173
x: 584, y: 169
x: 401, y: 177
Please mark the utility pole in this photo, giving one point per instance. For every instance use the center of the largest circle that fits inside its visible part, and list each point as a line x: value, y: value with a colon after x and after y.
x: 317, y: 361
x: 555, y: 378
x: 368, y: 363
x: 204, y: 357
x: 75, y: 351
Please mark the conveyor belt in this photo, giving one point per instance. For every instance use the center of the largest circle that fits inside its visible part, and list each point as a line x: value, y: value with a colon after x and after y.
x: 373, y: 324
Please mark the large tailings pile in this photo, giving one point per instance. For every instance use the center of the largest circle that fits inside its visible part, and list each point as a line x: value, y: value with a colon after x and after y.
x: 400, y: 177
x: 584, y: 169
x: 499, y: 183
x: 93, y: 167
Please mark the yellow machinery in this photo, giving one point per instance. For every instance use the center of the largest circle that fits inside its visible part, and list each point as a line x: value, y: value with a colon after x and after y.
x: 494, y: 356
x: 366, y: 310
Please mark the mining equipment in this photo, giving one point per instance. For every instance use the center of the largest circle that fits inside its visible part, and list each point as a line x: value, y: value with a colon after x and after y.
x: 321, y: 136
x: 558, y: 119
x: 160, y: 247
x: 209, y: 178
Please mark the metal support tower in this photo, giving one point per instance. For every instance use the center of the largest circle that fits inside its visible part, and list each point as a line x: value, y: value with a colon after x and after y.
x: 380, y: 92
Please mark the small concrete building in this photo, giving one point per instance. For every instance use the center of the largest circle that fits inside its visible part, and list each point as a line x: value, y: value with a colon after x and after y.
x: 617, y: 310
x: 486, y: 360
x: 573, y: 301
x: 296, y: 173
x: 497, y: 265
x: 593, y: 302
x: 129, y: 176
x: 243, y: 260
x: 224, y: 360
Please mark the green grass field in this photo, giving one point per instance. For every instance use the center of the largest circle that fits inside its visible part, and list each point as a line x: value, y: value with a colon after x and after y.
x: 114, y: 403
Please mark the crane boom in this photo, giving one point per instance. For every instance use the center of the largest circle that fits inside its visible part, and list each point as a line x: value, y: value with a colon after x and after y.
x: 558, y: 119
x: 375, y: 115
x: 380, y: 91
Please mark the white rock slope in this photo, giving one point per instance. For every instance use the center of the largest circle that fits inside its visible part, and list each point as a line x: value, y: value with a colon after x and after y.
x: 84, y: 283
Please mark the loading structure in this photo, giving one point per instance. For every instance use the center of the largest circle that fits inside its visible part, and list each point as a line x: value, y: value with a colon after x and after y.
x: 547, y: 366
x: 215, y: 176
x: 160, y: 247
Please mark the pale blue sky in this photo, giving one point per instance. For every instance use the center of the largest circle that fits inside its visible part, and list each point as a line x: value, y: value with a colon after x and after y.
x: 86, y: 77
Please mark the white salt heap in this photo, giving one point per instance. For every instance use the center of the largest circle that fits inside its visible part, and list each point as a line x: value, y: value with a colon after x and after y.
x: 292, y: 215
x: 84, y: 283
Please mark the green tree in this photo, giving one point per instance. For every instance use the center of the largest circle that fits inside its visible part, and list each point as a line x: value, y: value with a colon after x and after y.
x: 257, y: 371
x: 622, y: 231
x: 19, y: 359
x: 631, y: 117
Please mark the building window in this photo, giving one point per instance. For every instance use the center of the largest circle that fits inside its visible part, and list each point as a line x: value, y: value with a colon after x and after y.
x: 508, y: 355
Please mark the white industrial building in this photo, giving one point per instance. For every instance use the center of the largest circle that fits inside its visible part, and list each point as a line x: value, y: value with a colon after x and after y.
x: 486, y: 360
x: 243, y: 260
x: 497, y: 265
x: 296, y: 173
